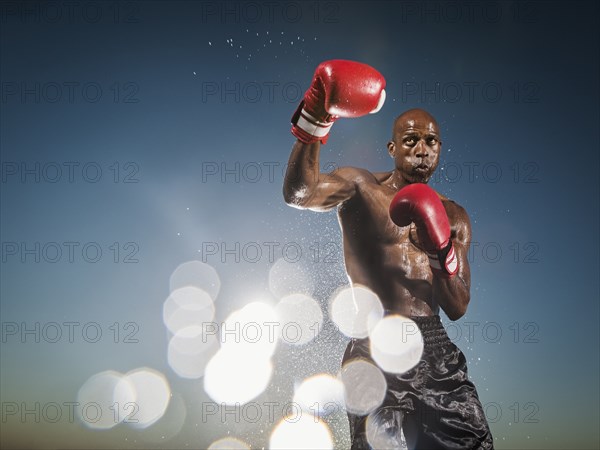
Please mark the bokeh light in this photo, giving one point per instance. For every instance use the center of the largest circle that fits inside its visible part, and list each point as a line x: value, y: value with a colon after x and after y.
x: 236, y: 377
x: 190, y: 350
x: 187, y: 306
x: 152, y: 396
x: 300, y: 319
x: 396, y: 344
x: 251, y: 330
x: 197, y: 274
x: 320, y: 394
x: 303, y: 431
x: 105, y: 400
x: 364, y: 386
x: 355, y: 310
x: 384, y: 429
x: 287, y: 278
x: 229, y: 443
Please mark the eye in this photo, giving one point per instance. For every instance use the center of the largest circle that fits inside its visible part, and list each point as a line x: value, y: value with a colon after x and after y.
x: 410, y: 140
x: 432, y: 141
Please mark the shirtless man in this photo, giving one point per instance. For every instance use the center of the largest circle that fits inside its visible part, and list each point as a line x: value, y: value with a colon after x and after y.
x: 404, y: 242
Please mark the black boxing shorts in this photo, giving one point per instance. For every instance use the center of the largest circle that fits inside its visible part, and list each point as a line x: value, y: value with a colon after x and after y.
x: 434, y: 403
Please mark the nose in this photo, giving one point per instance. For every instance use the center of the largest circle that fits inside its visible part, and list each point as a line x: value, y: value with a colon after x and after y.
x: 421, y: 150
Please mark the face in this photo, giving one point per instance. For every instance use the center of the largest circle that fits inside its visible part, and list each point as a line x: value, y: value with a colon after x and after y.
x: 415, y: 146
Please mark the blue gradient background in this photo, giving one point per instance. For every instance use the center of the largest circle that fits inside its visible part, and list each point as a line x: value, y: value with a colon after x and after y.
x: 549, y: 50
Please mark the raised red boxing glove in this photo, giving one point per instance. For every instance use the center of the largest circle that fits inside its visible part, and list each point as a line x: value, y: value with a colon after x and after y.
x: 420, y: 204
x: 339, y: 88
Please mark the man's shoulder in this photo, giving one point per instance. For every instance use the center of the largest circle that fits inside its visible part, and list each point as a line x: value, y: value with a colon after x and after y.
x: 380, y: 176
x: 452, y: 206
x: 458, y: 216
x: 359, y: 175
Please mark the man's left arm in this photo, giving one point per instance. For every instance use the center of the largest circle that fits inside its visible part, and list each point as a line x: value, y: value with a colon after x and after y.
x: 444, y: 231
x: 453, y: 294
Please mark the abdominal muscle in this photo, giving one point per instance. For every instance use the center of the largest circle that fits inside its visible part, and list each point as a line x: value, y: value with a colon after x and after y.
x: 400, y: 277
x: 384, y: 257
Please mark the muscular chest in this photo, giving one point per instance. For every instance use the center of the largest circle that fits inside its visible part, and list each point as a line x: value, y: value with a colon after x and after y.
x: 366, y: 217
x: 375, y: 244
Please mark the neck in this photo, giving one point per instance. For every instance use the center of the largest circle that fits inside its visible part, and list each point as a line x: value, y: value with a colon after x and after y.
x: 396, y: 181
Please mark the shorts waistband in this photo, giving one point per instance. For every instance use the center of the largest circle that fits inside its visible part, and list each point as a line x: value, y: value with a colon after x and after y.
x: 433, y: 332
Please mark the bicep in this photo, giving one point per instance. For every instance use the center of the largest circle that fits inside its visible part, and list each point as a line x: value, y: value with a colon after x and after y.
x: 461, y: 240
x: 330, y: 190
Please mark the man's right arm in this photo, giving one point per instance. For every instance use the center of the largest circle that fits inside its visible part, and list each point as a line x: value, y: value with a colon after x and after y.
x: 305, y: 187
x: 339, y: 88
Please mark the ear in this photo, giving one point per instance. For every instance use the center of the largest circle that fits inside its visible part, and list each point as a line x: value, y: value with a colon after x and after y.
x: 391, y: 148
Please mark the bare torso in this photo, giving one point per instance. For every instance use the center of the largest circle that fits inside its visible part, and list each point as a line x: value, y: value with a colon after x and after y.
x: 382, y: 256
x: 378, y: 254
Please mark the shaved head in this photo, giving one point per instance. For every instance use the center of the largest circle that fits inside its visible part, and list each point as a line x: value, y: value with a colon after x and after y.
x: 415, y: 145
x: 413, y: 118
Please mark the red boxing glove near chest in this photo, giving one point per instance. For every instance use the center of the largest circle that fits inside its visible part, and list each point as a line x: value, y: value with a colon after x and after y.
x: 419, y: 204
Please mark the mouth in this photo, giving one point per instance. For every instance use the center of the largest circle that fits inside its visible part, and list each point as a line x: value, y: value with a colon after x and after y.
x: 422, y: 168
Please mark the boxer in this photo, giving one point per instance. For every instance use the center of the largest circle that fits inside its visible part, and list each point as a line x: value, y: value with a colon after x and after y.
x: 406, y: 243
